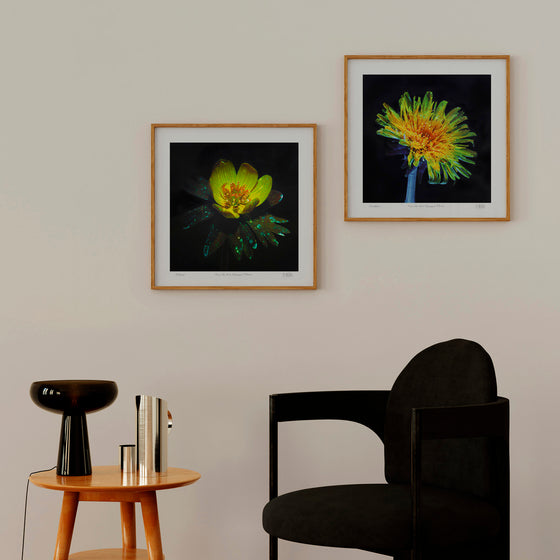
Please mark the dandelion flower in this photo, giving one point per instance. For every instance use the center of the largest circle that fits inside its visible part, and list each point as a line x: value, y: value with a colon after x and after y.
x: 440, y: 141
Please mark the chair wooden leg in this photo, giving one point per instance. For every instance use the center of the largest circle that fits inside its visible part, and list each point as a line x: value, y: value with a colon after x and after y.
x: 66, y: 525
x: 128, y: 525
x: 151, y: 525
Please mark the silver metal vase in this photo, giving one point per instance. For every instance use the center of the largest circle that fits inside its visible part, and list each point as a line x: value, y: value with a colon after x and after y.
x: 153, y: 423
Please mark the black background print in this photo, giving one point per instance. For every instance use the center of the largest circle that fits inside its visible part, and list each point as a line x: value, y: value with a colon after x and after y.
x: 384, y: 178
x: 190, y: 161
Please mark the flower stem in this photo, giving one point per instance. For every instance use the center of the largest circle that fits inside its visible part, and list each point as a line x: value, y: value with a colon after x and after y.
x: 411, y: 185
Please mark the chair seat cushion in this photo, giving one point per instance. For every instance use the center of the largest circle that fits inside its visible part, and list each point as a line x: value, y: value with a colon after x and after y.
x: 378, y: 517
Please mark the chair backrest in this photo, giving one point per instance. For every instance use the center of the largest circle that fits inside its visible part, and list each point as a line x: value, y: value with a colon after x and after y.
x: 452, y: 373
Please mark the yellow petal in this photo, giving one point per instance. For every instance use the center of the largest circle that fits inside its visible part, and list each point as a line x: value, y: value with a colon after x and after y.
x: 226, y: 212
x: 247, y: 176
x: 262, y: 190
x: 249, y: 207
x: 222, y: 174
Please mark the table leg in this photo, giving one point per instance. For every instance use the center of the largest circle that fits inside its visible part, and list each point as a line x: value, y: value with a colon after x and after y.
x: 151, y: 525
x: 66, y: 525
x: 128, y: 525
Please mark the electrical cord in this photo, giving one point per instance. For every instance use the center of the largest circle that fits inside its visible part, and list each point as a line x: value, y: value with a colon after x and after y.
x: 25, y: 507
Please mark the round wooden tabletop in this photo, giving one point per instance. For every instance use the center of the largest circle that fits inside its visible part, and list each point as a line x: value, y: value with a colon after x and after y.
x: 111, y: 478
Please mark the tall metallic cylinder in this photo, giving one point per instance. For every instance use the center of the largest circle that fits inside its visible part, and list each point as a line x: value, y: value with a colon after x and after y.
x: 153, y: 423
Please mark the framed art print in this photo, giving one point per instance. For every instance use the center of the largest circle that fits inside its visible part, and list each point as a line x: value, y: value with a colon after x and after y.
x: 427, y: 138
x: 233, y: 206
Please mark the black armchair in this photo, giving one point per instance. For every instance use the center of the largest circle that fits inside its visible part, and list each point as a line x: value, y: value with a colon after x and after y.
x: 446, y: 440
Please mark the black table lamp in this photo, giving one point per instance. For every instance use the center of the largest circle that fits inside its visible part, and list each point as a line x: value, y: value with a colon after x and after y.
x: 73, y: 399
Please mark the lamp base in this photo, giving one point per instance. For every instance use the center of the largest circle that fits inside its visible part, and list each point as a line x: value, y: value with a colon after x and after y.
x: 73, y: 449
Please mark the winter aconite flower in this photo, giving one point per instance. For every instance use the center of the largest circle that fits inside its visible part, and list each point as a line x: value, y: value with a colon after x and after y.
x: 236, y: 196
x: 238, y: 193
x: 431, y: 137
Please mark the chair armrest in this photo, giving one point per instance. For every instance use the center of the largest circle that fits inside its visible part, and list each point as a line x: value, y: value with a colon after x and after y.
x: 364, y: 407
x: 481, y: 420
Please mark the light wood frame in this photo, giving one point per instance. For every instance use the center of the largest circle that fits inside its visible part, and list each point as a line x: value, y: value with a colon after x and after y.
x: 348, y: 189
x: 310, y: 272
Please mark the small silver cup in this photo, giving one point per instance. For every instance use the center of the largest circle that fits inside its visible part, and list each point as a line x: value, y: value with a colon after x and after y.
x: 128, y: 458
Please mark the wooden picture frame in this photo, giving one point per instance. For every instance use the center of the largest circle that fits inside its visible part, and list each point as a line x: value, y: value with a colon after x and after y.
x: 233, y: 206
x: 426, y: 138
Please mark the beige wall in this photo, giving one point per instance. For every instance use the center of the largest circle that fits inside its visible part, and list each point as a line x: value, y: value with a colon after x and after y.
x: 81, y: 82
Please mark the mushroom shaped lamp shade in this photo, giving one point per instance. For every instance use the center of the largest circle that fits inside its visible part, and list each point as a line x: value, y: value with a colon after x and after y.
x: 73, y: 399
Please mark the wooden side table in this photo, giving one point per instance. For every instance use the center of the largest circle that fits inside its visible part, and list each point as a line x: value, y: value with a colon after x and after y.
x: 109, y: 484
